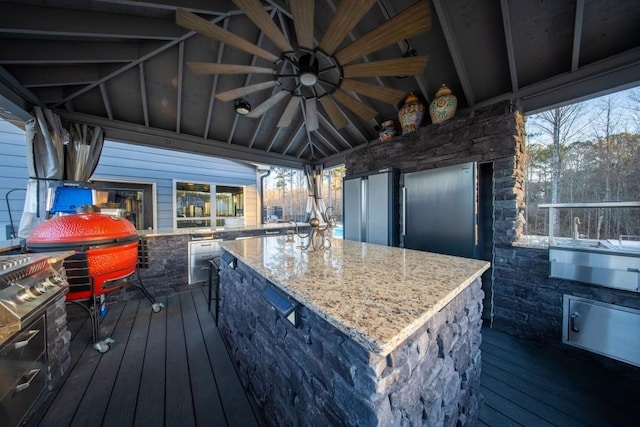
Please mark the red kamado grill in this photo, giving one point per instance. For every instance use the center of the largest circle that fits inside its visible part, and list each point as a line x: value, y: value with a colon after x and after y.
x: 105, y: 258
x: 106, y: 246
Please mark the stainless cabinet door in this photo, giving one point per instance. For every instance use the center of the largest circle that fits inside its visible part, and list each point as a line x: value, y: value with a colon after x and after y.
x: 352, y: 204
x: 607, y: 329
x: 378, y: 209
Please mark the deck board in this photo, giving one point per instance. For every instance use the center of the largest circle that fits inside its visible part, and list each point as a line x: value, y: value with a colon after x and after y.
x: 179, y: 402
x: 151, y: 392
x: 65, y: 401
x: 562, y: 387
x: 238, y: 412
x: 92, y: 407
x: 122, y: 403
x: 206, y: 400
x: 173, y: 368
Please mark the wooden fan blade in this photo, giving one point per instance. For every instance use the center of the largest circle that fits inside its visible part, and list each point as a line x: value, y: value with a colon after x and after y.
x: 311, y: 110
x: 302, y: 11
x: 414, y: 20
x: 361, y: 110
x: 193, y: 22
x: 213, y: 68
x: 260, y: 109
x: 255, y: 11
x: 335, y: 115
x: 290, y: 112
x: 346, y: 17
x: 381, y: 93
x: 411, y: 66
x: 245, y: 90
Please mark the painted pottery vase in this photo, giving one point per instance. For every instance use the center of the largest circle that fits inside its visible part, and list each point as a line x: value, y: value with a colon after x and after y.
x: 411, y: 114
x: 443, y: 107
x: 388, y: 130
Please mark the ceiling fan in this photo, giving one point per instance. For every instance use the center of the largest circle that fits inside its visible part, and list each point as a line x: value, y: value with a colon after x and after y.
x: 310, y: 73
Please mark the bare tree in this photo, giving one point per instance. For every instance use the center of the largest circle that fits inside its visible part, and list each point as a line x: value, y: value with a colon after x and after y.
x: 560, y: 124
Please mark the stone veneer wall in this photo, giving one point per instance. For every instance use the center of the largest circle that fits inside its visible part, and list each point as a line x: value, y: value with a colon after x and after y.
x: 528, y: 303
x: 58, y: 342
x: 314, y: 374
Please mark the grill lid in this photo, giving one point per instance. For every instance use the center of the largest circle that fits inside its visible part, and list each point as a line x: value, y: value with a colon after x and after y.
x: 83, y: 228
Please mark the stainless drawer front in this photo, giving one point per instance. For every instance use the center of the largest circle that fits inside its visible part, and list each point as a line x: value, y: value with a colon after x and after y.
x: 204, y: 247
x: 614, y: 271
x: 606, y: 329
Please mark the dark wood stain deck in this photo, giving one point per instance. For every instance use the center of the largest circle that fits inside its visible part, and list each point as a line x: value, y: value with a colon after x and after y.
x: 171, y: 368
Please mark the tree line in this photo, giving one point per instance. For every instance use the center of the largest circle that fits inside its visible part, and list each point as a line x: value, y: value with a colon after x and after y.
x: 585, y: 152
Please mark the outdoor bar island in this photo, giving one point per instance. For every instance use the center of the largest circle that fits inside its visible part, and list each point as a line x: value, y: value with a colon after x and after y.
x: 358, y: 334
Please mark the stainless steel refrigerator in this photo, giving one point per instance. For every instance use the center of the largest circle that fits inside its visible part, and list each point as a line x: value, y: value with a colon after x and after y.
x: 370, y: 207
x: 439, y: 210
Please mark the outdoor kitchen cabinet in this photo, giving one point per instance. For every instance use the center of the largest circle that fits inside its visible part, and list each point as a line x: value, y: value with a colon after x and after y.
x: 200, y: 253
x: 607, y: 329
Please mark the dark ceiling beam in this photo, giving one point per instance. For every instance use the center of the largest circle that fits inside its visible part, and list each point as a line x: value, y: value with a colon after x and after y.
x: 274, y: 137
x: 508, y: 37
x: 62, y: 75
x: 14, y: 98
x: 204, y: 7
x: 214, y: 85
x: 106, y: 101
x: 454, y: 49
x: 577, y: 35
x: 303, y: 149
x: 383, y: 6
x: 180, y: 83
x: 256, y: 131
x: 49, y: 21
x: 324, y: 123
x: 152, y: 137
x: 247, y: 79
x: 326, y: 141
x: 373, y: 123
x: 616, y: 73
x: 143, y: 95
x: 49, y: 95
x: 317, y: 147
x: 42, y: 52
x: 292, y: 135
x: 133, y: 64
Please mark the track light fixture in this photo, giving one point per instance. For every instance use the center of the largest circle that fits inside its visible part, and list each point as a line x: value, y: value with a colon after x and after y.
x: 242, y: 106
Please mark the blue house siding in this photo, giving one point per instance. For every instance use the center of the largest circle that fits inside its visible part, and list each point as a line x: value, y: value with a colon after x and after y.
x: 13, y: 173
x: 137, y: 163
x: 121, y: 162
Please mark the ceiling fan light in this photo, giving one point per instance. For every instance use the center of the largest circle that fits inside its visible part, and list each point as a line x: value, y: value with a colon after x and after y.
x: 308, y: 78
x: 242, y: 106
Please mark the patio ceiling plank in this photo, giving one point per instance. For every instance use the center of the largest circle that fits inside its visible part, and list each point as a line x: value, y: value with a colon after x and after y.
x: 42, y: 52
x: 35, y: 20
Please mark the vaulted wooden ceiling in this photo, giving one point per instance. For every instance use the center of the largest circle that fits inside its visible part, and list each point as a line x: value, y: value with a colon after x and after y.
x: 122, y: 64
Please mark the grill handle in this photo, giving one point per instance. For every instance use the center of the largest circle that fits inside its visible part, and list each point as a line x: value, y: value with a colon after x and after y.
x: 32, y: 374
x: 24, y: 343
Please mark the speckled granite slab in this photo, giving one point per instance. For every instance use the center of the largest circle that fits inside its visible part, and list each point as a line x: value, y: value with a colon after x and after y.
x: 378, y: 295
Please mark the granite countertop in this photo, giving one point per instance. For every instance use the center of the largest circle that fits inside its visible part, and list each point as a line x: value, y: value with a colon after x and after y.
x: 171, y: 232
x: 377, y: 295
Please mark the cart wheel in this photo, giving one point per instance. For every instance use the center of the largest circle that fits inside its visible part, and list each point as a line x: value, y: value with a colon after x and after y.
x: 157, y: 307
x: 101, y: 347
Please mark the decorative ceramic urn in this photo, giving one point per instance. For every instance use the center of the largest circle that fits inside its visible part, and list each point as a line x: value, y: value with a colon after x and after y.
x: 411, y: 114
x: 388, y: 130
x: 443, y: 107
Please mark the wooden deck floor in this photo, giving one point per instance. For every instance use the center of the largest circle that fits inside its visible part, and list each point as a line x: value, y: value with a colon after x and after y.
x: 529, y: 385
x: 171, y: 368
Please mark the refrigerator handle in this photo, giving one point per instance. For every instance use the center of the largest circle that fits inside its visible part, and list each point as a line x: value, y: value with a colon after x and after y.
x: 404, y: 211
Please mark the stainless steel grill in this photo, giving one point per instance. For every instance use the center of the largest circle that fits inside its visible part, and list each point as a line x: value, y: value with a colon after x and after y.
x: 27, y: 284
